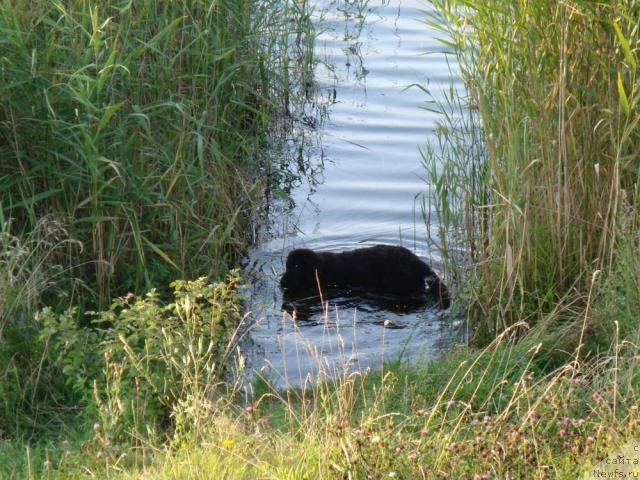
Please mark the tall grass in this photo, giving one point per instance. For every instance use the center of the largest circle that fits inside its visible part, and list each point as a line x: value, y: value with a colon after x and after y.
x: 29, y: 389
x: 141, y: 125
x: 133, y: 140
x: 494, y: 413
x: 556, y: 87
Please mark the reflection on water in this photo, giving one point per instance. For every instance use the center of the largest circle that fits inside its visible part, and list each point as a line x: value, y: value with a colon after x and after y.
x: 357, y: 144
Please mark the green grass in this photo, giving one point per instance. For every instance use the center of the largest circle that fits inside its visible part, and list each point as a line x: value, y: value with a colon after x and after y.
x: 515, y: 409
x: 497, y: 411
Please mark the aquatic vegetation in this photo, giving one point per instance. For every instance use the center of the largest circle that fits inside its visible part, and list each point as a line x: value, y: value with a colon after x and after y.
x: 142, y: 127
x: 133, y: 139
x: 555, y: 192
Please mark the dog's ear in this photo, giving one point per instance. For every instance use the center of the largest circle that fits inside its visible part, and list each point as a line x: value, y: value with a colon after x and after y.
x: 293, y: 259
x: 427, y: 271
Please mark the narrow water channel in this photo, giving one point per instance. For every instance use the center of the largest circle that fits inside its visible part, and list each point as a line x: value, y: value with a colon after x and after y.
x: 367, y: 189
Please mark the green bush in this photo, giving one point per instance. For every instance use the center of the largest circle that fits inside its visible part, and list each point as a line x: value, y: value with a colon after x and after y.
x: 138, y: 360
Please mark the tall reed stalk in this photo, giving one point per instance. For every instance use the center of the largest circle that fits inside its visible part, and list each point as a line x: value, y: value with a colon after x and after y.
x: 556, y: 88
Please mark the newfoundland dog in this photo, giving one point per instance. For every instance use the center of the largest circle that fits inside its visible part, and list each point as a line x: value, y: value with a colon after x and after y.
x: 383, y: 269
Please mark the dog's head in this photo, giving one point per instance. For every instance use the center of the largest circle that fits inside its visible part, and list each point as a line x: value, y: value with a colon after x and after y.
x: 302, y: 265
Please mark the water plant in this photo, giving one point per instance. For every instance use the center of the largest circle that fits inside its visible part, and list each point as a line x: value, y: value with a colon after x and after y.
x: 133, y: 139
x: 142, y: 127
x: 555, y: 87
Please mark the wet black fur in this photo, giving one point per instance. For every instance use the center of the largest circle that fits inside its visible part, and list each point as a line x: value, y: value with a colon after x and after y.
x: 383, y: 269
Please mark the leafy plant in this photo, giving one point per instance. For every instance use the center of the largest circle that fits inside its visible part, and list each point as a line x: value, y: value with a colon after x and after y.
x: 139, y: 359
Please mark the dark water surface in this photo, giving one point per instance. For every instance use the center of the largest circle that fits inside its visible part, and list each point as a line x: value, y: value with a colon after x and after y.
x: 366, y: 188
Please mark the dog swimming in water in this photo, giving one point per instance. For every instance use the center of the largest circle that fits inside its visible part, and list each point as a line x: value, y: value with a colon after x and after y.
x: 383, y: 269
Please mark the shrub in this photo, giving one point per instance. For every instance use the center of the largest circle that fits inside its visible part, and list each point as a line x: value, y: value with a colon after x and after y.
x: 138, y: 360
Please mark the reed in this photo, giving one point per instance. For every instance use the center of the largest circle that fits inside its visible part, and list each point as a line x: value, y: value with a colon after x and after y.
x: 142, y: 127
x: 133, y: 139
x: 555, y: 86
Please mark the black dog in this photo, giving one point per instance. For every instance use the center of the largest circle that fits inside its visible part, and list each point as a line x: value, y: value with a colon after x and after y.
x: 383, y: 269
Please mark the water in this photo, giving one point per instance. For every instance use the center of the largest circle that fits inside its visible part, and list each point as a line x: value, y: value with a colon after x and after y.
x: 367, y: 189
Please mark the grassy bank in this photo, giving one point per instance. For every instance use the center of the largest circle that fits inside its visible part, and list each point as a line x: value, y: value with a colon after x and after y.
x: 502, y: 412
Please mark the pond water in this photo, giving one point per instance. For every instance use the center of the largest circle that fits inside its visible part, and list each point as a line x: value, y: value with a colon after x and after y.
x: 365, y: 186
